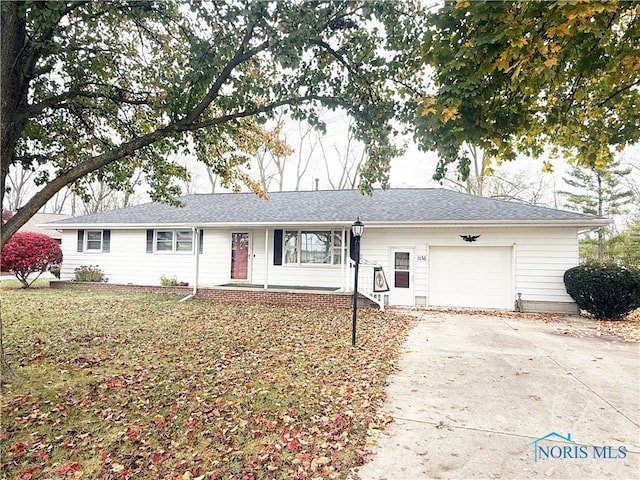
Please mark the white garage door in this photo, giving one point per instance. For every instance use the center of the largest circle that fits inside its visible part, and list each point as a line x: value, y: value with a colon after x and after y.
x: 473, y: 276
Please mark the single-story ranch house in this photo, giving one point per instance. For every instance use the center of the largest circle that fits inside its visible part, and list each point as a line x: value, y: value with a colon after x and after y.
x: 436, y: 247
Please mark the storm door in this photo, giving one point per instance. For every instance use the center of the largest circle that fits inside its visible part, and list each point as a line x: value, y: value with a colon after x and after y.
x: 240, y: 256
x: 401, y: 292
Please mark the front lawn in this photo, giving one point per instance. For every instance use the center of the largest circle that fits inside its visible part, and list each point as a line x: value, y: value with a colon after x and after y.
x: 140, y: 386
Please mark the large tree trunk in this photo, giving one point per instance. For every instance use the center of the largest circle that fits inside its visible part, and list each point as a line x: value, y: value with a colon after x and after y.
x: 13, y: 101
x: 13, y: 86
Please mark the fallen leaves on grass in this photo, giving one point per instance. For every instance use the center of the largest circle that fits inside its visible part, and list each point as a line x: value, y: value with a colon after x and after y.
x: 140, y: 386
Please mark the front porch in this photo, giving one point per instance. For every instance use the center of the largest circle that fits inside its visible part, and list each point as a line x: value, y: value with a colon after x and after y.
x: 369, y: 272
x: 277, y: 294
x: 237, y: 293
x: 275, y: 287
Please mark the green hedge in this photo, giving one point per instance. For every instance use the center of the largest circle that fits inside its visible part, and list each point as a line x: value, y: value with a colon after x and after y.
x: 604, y: 290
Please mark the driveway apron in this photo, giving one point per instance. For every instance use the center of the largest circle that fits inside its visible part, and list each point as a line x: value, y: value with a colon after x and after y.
x: 505, y: 397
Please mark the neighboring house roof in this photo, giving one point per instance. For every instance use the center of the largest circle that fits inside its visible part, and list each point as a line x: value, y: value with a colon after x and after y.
x: 36, y: 224
x: 384, y: 207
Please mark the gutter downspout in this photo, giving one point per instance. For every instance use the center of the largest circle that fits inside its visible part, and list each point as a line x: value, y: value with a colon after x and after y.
x: 343, y: 261
x: 266, y: 258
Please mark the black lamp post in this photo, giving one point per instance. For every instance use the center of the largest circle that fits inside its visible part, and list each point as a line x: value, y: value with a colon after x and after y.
x: 357, y: 228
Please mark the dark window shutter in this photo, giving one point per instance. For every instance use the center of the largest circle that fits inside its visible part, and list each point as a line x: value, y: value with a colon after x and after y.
x: 352, y: 246
x: 277, y: 247
x: 80, y: 240
x: 200, y: 241
x: 106, y: 240
x: 149, y: 241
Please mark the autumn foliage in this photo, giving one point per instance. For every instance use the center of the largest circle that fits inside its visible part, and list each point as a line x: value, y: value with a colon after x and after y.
x: 30, y: 252
x: 137, y: 386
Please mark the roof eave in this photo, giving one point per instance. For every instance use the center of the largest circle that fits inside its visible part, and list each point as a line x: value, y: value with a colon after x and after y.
x: 584, y: 223
x: 580, y: 223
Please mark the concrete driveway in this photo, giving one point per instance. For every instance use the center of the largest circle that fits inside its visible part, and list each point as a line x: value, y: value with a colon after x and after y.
x: 505, y: 396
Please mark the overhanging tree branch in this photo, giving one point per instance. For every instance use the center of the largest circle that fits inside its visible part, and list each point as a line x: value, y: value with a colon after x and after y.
x: 240, y: 57
x: 336, y: 55
x: 59, y: 101
x: 129, y: 148
x: 330, y: 101
x: 617, y: 92
x: 189, y: 82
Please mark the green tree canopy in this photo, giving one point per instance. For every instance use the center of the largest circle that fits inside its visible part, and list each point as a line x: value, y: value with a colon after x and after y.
x: 622, y: 248
x: 516, y: 76
x: 96, y: 90
x: 598, y: 191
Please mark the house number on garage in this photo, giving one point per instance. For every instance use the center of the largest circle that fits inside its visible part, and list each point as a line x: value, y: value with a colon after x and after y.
x: 422, y: 258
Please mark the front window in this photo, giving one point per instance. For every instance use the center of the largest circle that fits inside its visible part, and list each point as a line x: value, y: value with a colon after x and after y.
x: 94, y: 240
x: 337, y: 248
x: 174, y: 241
x: 164, y: 241
x: 184, y: 241
x: 290, y: 246
x: 313, y: 247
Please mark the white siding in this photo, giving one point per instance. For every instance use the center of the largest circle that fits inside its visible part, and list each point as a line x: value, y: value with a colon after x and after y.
x: 128, y: 262
x: 378, y: 243
x: 326, y: 276
x: 541, y: 256
x: 215, y: 259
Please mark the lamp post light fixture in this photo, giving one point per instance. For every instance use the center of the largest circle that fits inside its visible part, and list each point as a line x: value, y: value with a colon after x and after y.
x: 356, y: 229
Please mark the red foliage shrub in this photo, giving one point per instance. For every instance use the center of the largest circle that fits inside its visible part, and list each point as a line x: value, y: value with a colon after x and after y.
x: 30, y: 252
x: 6, y: 215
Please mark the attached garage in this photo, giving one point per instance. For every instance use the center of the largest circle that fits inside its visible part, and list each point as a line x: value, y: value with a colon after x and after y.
x: 300, y: 239
x: 471, y: 276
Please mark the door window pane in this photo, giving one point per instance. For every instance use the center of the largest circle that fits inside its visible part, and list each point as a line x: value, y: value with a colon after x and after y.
x: 401, y: 270
x: 401, y: 279
x: 402, y: 261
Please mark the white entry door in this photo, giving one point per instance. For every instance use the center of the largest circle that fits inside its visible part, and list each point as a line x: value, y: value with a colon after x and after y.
x: 401, y: 285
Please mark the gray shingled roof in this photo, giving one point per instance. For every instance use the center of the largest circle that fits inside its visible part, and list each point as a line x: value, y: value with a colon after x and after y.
x: 333, y: 206
x: 38, y: 222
